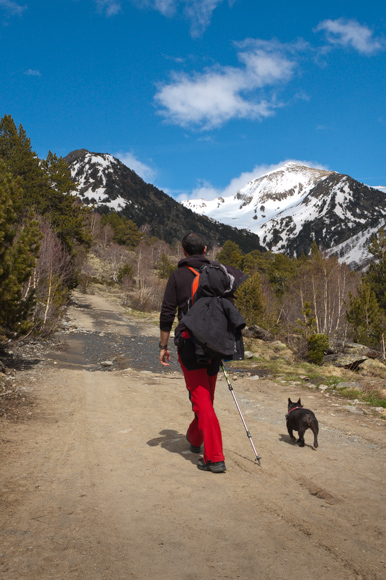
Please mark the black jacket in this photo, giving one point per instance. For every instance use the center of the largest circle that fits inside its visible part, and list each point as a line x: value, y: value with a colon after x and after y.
x: 213, y: 322
x: 215, y: 325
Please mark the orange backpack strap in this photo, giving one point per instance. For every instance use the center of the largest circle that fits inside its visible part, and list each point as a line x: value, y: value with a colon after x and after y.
x: 195, y: 281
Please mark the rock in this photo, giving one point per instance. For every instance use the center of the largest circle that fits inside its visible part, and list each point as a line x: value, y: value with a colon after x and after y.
x: 257, y: 332
x: 353, y: 410
x: 346, y: 361
x: 373, y: 367
x: 254, y: 378
x: 323, y: 387
x: 106, y: 363
x: 279, y: 345
x: 248, y: 354
x: 353, y: 348
x: 349, y: 385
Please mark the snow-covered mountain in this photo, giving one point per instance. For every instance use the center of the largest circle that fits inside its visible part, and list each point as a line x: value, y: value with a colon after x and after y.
x: 109, y: 185
x: 294, y: 205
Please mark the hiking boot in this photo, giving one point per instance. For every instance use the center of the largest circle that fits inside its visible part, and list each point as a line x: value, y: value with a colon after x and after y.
x: 216, y: 467
x: 193, y: 449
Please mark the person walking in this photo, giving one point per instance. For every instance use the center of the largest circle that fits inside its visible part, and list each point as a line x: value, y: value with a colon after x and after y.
x: 200, y: 378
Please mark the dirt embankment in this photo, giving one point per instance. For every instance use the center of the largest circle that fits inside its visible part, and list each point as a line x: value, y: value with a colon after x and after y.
x: 98, y: 483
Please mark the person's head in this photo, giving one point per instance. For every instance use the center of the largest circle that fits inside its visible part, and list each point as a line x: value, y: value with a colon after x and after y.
x: 193, y: 244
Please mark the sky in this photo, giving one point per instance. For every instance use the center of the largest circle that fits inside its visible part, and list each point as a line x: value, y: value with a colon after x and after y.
x: 200, y: 96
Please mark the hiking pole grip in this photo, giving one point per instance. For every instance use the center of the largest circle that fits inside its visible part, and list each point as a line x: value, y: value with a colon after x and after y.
x: 240, y: 413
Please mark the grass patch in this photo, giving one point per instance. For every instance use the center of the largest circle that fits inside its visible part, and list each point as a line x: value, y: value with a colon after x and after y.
x: 370, y: 396
x: 295, y: 371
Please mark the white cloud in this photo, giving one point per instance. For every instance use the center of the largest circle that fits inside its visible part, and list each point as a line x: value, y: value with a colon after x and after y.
x: 350, y: 33
x: 219, y: 94
x: 197, y: 12
x: 208, y: 192
x: 109, y: 7
x: 141, y: 169
x: 33, y: 73
x: 12, y: 8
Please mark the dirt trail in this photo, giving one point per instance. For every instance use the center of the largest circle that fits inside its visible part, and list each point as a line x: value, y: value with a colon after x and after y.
x: 100, y: 484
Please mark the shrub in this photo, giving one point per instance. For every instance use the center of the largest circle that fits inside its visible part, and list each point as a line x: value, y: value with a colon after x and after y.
x: 125, y: 271
x: 317, y: 346
x: 164, y: 267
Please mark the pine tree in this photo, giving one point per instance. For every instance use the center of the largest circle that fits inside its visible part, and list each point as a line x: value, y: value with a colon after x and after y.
x: 126, y: 232
x: 164, y: 267
x: 250, y: 300
x: 365, y: 316
x: 66, y: 214
x: 19, y: 246
x: 21, y: 161
x: 231, y: 255
x: 376, y: 274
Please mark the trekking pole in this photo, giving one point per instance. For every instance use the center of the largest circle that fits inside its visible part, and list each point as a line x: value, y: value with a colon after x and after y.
x: 238, y: 408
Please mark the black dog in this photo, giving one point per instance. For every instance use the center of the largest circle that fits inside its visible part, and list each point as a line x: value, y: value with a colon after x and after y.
x: 299, y: 419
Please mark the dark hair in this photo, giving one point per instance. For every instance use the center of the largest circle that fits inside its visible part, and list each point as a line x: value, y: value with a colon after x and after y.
x: 193, y: 244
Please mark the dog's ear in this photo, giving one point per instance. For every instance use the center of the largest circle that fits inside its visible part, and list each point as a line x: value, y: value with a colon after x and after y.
x: 289, y: 401
x: 299, y: 402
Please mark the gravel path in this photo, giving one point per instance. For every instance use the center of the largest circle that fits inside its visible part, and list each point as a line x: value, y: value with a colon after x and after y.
x: 99, y: 483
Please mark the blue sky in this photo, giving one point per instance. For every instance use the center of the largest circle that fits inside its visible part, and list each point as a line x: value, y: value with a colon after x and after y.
x: 200, y: 96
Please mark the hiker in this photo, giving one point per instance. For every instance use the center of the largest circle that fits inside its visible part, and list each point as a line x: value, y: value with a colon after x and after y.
x: 200, y: 375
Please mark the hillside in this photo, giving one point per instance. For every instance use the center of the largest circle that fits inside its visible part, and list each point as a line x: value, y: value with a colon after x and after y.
x: 108, y: 184
x: 293, y: 206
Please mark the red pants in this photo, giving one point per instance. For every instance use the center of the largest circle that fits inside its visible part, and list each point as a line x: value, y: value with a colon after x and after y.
x: 205, y: 427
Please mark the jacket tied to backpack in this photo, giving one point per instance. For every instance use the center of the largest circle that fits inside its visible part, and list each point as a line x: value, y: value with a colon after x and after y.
x: 212, y: 321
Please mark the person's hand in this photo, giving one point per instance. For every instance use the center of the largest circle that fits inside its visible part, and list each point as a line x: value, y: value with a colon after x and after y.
x: 164, y: 355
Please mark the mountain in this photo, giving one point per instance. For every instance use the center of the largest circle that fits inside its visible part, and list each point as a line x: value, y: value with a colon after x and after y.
x: 294, y: 205
x: 106, y: 183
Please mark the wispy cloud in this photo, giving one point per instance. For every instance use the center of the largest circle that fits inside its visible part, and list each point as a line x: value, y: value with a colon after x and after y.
x: 349, y: 33
x: 208, y: 192
x: 33, y: 73
x: 12, y: 8
x: 108, y: 7
x: 141, y: 169
x: 218, y: 94
x: 197, y: 12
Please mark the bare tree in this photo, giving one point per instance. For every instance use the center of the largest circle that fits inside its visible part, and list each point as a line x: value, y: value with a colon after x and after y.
x: 50, y: 280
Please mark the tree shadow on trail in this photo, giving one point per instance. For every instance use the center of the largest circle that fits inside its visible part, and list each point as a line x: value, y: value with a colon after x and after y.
x: 174, y: 442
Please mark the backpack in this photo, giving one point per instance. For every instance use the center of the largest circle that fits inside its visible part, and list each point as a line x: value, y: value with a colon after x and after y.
x: 209, y: 281
x: 213, y: 281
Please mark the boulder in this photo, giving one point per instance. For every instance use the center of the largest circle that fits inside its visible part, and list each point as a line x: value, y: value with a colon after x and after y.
x: 374, y: 368
x: 349, y: 385
x: 278, y: 345
x: 346, y: 361
x: 257, y: 332
x: 352, y: 348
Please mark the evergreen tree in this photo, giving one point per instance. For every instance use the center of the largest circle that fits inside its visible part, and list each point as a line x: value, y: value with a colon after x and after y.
x: 317, y: 347
x: 250, y: 300
x: 66, y: 214
x: 365, y: 316
x: 21, y: 161
x: 307, y: 326
x: 47, y: 187
x: 376, y: 273
x: 231, y: 255
x: 164, y: 267
x: 19, y: 246
x: 126, y: 232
